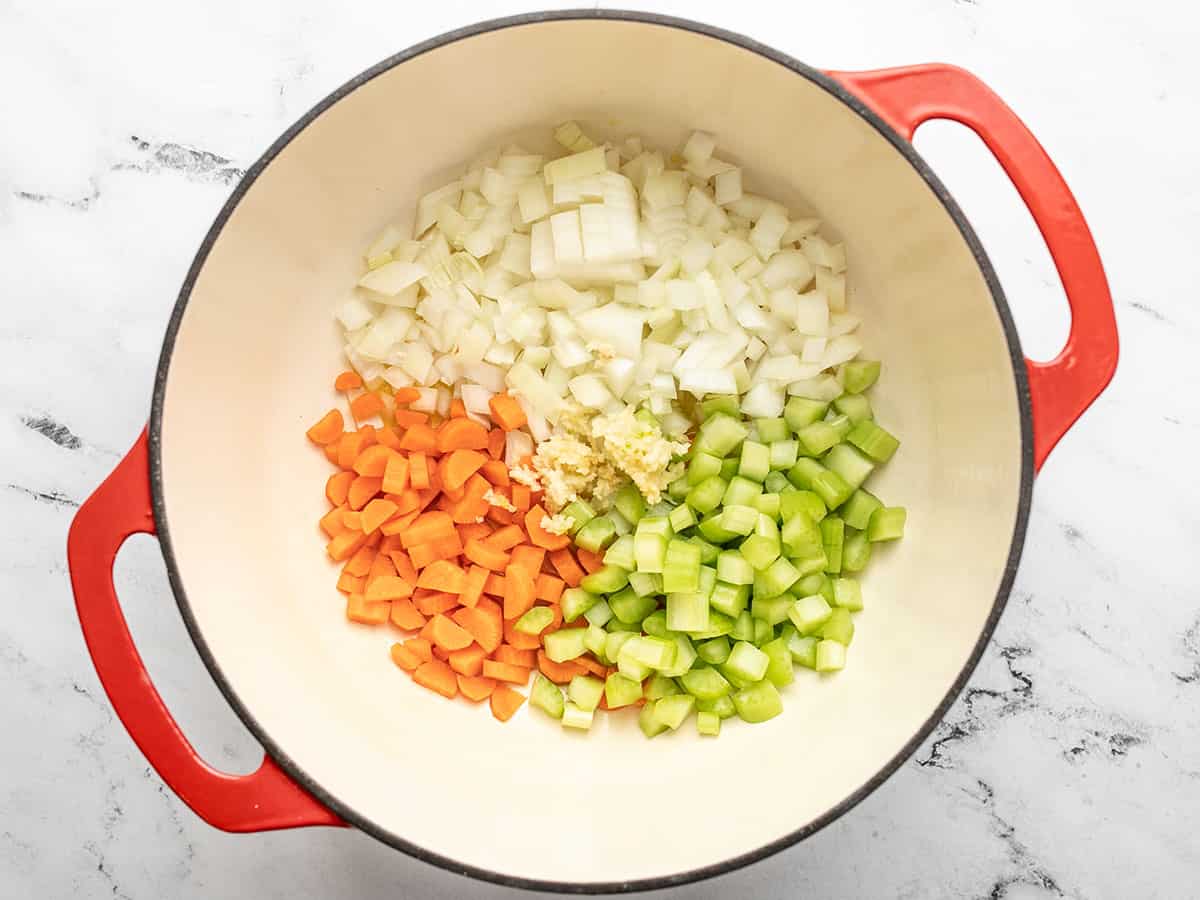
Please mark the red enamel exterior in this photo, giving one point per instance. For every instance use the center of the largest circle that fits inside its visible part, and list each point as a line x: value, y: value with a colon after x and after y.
x: 1064, y: 387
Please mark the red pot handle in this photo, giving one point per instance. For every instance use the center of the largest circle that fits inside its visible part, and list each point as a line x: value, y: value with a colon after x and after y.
x: 1064, y: 387
x: 264, y: 800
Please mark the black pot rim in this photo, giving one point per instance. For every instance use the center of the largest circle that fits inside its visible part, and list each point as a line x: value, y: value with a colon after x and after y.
x: 347, y: 813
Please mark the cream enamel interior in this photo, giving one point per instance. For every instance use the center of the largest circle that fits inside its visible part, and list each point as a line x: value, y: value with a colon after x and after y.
x: 252, y: 367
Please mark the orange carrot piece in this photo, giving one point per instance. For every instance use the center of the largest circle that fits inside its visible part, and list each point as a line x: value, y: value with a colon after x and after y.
x: 360, y: 563
x: 483, y: 625
x: 496, y: 442
x: 458, y: 409
x: 483, y: 554
x: 419, y: 437
x: 459, y: 465
x: 404, y: 658
x: 337, y: 488
x: 395, y: 527
x: 395, y: 474
x: 499, y: 516
x: 521, y: 497
x: 435, y: 602
x: 472, y: 506
x: 473, y: 531
x: 351, y: 444
x: 495, y: 585
x: 539, y: 535
x: 447, y: 634
x: 441, y: 653
x: 505, y: 702
x: 591, y: 666
x: 347, y: 381
x: 350, y: 584
x: 473, y: 586
x: 344, y: 545
x: 467, y: 661
x: 520, y: 639
x: 373, y: 461
x: 407, y: 418
x: 366, y: 405
x: 367, y: 612
x: 352, y: 519
x: 548, y: 588
x: 442, y: 575
x: 559, y: 673
x: 507, y: 412
x: 528, y: 557
x: 461, y: 434
x: 506, y: 538
x: 328, y: 430
x: 405, y: 395
x: 405, y: 616
x: 518, y: 591
x: 432, y: 526
x: 424, y: 554
x: 362, y: 489
x: 437, y: 676
x: 331, y: 450
x: 380, y: 565
x: 591, y: 562
x: 496, y: 472
x: 418, y: 471
x: 506, y: 653
x: 566, y: 566
x: 389, y: 587
x: 376, y: 513
x: 476, y: 688
x: 420, y: 648
x: 404, y: 566
x: 502, y: 671
x: 390, y: 544
x: 331, y: 523
x: 388, y: 438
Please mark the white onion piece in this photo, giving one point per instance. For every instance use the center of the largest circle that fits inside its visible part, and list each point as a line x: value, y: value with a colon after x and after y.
x: 355, y: 313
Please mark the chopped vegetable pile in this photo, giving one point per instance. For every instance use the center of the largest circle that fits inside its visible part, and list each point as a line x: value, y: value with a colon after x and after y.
x: 609, y: 424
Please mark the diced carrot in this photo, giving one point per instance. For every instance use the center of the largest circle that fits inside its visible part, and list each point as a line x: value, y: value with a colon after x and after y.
x: 420, y: 648
x: 441, y: 653
x: 520, y: 639
x: 430, y: 603
x: 396, y: 526
x: 366, y: 405
x: 467, y: 661
x: 505, y: 702
x: 448, y: 634
x: 502, y: 671
x: 376, y: 513
x: 496, y: 472
x: 506, y: 653
x: 426, y: 632
x: 473, y: 587
x: 496, y: 443
x: 592, y: 666
x: 328, y: 430
x: 331, y: 523
x: 367, y: 612
x: 591, y: 562
x: 432, y: 526
x: 518, y: 591
x: 373, y: 460
x: 347, y: 381
x: 418, y: 471
x: 360, y: 563
x: 437, y: 676
x: 424, y: 554
x: 344, y: 544
x: 506, y: 412
x: 405, y: 395
x: 559, y: 673
x: 521, y: 497
x: 390, y: 544
x: 482, y: 624
x: 331, y: 450
x: 539, y: 535
x: 499, y: 515
x: 351, y: 584
x: 407, y: 418
x: 483, y: 554
x: 566, y: 566
x: 352, y: 519
x: 506, y: 538
x: 495, y: 585
x: 459, y: 465
x: 404, y: 658
x: 556, y: 622
x: 548, y: 588
x: 351, y: 444
x: 476, y: 688
x: 389, y: 587
x: 528, y: 557
x: 419, y: 437
x: 388, y: 438
x: 362, y: 489
x: 472, y: 507
x: 380, y: 566
x: 404, y: 566
x: 442, y: 575
x: 461, y: 434
x: 458, y: 409
x: 373, y: 540
x: 337, y: 488
x: 473, y: 531
x: 409, y: 501
x: 405, y: 616
x: 395, y: 474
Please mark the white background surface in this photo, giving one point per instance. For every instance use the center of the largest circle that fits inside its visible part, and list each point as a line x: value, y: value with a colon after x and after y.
x: 1070, y: 765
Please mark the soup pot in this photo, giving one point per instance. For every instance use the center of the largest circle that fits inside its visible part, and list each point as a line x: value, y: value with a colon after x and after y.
x: 225, y: 479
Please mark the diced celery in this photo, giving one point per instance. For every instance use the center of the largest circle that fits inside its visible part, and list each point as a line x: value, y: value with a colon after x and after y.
x: 810, y: 561
x: 685, y: 656
x: 887, y: 524
x: 645, y: 583
x: 620, y: 523
x: 847, y: 594
x: 616, y: 625
x: 729, y: 467
x: 763, y: 632
x: 621, y: 553
x: 673, y: 711
x: 630, y: 503
x: 740, y: 491
x: 832, y: 488
x: 628, y: 664
x: 594, y: 639
x: 743, y: 627
x: 802, y: 501
x: 655, y: 623
x: 777, y: 578
x: 755, y: 462
x: 833, y: 536
x: 733, y: 568
x: 599, y: 613
x: 621, y: 691
x: 718, y: 624
x: 708, y: 723
x: 710, y: 528
x: 576, y: 717
x: 809, y: 613
x: 535, y: 620
x: 854, y: 407
x: 649, y: 551
x: 772, y: 430
x: 580, y: 513
x: 856, y: 552
x: 760, y: 551
x: 776, y: 483
x: 660, y: 686
x: 860, y: 374
x: 715, y: 651
x: 803, y: 473
x: 585, y: 691
x: 704, y: 684
x: 546, y: 696
x: 720, y: 403
x: 857, y: 510
x: 729, y: 599
x: 817, y: 437
x: 772, y: 610
x: 605, y: 580
x: 722, y: 707
x: 575, y: 602
x: 839, y: 627
x: 721, y: 434
x: 779, y: 667
x: 565, y: 644
x: 850, y: 464
x: 801, y: 411
x: 768, y: 504
x: 687, y: 611
x: 841, y: 425
x: 681, y: 517
x: 650, y: 724
x: 681, y: 570
x: 876, y: 442
x: 678, y: 489
x: 746, y: 661
x: 783, y: 454
x: 831, y: 656
x: 800, y: 534
x: 596, y: 534
x: 758, y: 702
x: 803, y: 649
x: 706, y: 496
x: 614, y: 642
x: 708, y: 551
x: 809, y: 584
x: 654, y: 524
x: 739, y: 519
x: 629, y: 607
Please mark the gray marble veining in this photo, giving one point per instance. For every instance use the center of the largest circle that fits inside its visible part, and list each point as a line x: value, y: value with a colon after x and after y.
x: 1069, y: 767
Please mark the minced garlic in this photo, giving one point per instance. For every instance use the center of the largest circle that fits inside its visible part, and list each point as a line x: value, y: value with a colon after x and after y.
x: 498, y: 500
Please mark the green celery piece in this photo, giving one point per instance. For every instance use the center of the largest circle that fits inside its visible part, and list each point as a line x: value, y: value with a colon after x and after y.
x: 874, y: 441
x: 654, y: 524
x: 585, y: 691
x: 685, y: 656
x: 826, y: 590
x: 656, y: 623
x: 779, y: 667
x: 848, y: 594
x: 629, y: 665
x: 687, y: 611
x: 760, y: 551
x: 841, y: 425
x: 755, y: 462
x: 649, y: 551
x: 768, y: 504
x: 743, y: 628
x: 621, y: 524
x: 645, y: 583
x: 856, y: 552
x: 802, y: 501
x: 708, y: 724
x: 887, y: 524
x: 854, y: 407
x: 710, y: 529
x: 817, y: 437
x: 733, y: 568
x: 838, y: 627
x: 801, y: 411
x: 681, y: 570
x: 708, y: 551
x: 616, y: 625
x: 739, y: 519
x: 535, y: 620
x: 714, y: 652
x: 605, y: 580
x: 678, y: 489
x: 705, y: 684
x: 720, y: 403
x: 621, y: 691
x: 721, y: 434
x: 681, y: 517
x: 630, y: 503
x: 762, y: 633
x: 848, y: 462
x: 729, y: 467
x: 803, y: 473
x: 783, y: 454
x: 721, y: 707
x: 809, y: 584
x: 701, y: 466
x: 580, y: 512
x: 832, y: 488
x: 594, y: 639
x: 708, y: 577
x: 629, y: 607
x: 718, y: 624
x: 546, y: 696
x: 772, y: 430
x: 833, y: 536
x: 575, y: 602
x: 776, y: 483
x: 772, y: 610
x: 729, y: 599
x: 660, y: 686
x: 800, y: 534
x: 597, y: 534
x: 778, y: 577
x: 614, y: 642
x: 746, y: 661
x: 860, y: 374
x: 758, y: 702
x: 649, y: 723
x: 740, y: 491
x: 565, y: 644
x: 831, y: 656
x: 809, y: 613
x: 803, y: 649
x: 674, y: 710
x: 706, y: 496
x: 576, y: 717
x: 857, y: 510
x: 621, y: 553
x: 810, y: 561
x: 599, y: 613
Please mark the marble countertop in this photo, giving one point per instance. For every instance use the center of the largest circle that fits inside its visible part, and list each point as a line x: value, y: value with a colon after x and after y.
x: 1070, y: 765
